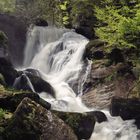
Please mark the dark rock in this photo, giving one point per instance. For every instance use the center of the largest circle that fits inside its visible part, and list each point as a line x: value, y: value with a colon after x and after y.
x: 16, y: 36
x: 10, y: 101
x: 82, y: 124
x: 94, y: 49
x: 2, y: 80
x: 40, y: 85
x: 85, y: 31
x: 126, y: 68
x: 30, y: 80
x: 41, y: 22
x: 116, y: 56
x: 126, y: 108
x: 32, y: 121
x: 24, y: 83
x: 33, y: 72
x: 7, y: 70
x: 3, y: 45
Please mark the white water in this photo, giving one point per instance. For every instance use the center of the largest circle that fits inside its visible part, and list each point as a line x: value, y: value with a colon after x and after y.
x: 57, y: 54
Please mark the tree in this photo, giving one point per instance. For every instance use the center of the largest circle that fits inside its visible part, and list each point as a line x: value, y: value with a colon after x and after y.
x: 119, y: 23
x: 7, y: 5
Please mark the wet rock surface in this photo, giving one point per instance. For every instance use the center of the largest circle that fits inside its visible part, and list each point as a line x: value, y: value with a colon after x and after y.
x: 32, y: 121
x: 126, y: 108
x: 105, y: 82
x: 82, y: 123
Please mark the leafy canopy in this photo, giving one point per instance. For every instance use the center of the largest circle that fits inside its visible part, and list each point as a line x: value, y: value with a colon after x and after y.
x: 119, y: 24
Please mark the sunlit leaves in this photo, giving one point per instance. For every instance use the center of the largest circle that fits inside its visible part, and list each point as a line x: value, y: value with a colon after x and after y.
x: 7, y: 5
x: 118, y: 26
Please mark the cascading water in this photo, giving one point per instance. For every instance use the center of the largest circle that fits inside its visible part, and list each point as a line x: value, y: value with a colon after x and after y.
x: 57, y: 54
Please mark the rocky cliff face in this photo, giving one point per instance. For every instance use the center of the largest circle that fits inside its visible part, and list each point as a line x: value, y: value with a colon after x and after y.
x: 16, y: 33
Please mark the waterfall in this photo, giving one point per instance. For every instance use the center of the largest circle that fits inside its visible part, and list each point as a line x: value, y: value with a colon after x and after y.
x: 57, y: 55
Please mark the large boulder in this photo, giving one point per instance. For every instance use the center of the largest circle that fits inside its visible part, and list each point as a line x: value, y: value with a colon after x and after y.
x: 32, y: 121
x: 82, y: 123
x: 126, y: 108
x: 31, y: 78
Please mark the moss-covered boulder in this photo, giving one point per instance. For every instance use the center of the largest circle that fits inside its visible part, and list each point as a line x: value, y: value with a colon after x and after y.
x: 82, y: 123
x: 5, y: 116
x: 33, y: 122
x: 10, y: 99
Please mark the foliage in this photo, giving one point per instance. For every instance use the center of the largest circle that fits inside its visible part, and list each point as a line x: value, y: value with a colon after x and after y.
x: 61, y: 13
x: 82, y: 12
x: 7, y: 5
x: 46, y: 9
x: 65, y: 8
x: 2, y: 113
x: 119, y: 26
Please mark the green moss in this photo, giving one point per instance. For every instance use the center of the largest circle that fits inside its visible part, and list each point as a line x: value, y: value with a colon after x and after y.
x: 2, y: 113
x: 7, y: 91
x: 2, y: 80
x: 71, y: 119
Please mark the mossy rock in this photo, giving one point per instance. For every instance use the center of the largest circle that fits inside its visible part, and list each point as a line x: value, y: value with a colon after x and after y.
x: 5, y: 116
x: 32, y: 121
x: 82, y: 123
x: 10, y: 99
x: 2, y: 80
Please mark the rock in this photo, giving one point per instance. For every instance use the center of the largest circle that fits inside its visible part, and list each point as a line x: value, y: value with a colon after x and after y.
x: 7, y: 70
x: 32, y: 121
x: 126, y: 108
x: 105, y: 82
x: 85, y: 31
x: 2, y: 80
x: 16, y: 36
x: 94, y: 49
x: 82, y: 124
x: 9, y: 100
x: 30, y: 80
x: 41, y: 22
x: 23, y: 83
x: 116, y: 56
x: 33, y: 72
x: 99, y: 97
x: 3, y: 44
x: 40, y: 85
